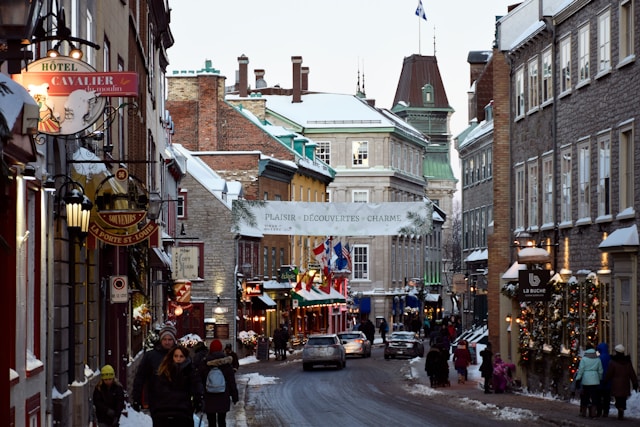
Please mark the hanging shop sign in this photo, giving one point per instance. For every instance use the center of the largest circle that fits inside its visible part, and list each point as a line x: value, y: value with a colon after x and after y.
x: 534, y: 285
x: 182, y: 291
x: 185, y: 261
x: 71, y: 94
x: 149, y: 232
x: 119, y: 289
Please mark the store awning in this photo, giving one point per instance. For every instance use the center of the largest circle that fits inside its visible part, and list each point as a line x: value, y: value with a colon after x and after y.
x: 263, y: 302
x: 160, y: 259
x: 533, y: 256
x: 412, y: 301
x: 317, y: 297
x: 432, y: 298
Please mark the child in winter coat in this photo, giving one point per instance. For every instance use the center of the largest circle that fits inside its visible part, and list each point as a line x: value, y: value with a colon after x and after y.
x: 108, y: 398
x: 502, y: 372
x: 461, y: 361
x: 589, y: 374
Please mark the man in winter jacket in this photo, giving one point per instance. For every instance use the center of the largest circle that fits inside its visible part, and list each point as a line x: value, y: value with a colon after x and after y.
x: 604, y: 391
x: 216, y: 405
x: 622, y: 375
x: 589, y: 374
x: 147, y: 373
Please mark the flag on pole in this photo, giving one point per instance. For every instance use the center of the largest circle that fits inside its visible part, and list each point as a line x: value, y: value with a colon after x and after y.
x: 341, y: 261
x: 346, y: 252
x: 320, y: 253
x: 308, y: 281
x: 420, y: 11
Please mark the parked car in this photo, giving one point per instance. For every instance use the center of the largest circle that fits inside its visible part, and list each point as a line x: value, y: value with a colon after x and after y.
x: 403, y: 344
x: 323, y: 349
x: 355, y: 343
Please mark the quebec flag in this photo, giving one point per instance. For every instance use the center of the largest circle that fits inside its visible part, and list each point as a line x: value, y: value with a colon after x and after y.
x: 420, y: 11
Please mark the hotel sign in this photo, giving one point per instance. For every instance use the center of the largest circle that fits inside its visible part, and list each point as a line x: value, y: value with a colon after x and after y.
x: 71, y: 94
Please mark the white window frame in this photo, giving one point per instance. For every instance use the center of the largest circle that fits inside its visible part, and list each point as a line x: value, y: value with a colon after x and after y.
x: 519, y: 197
x: 532, y: 205
x: 565, y: 177
x: 360, y: 262
x: 360, y: 196
x: 626, y: 168
x: 360, y: 153
x: 519, y: 92
x: 565, y: 65
x: 323, y: 151
x: 584, y: 180
x: 604, y: 42
x: 547, y: 191
x: 626, y: 32
x: 584, y: 69
x: 534, y: 84
x: 604, y: 174
x: 547, y: 76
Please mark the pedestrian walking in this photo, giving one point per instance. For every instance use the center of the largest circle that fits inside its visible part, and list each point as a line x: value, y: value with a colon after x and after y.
x: 383, y: 329
x: 235, y: 363
x: 589, y: 374
x: 604, y: 391
x: 622, y: 376
x: 369, y: 329
x: 486, y: 367
x: 461, y: 361
x: 108, y: 398
x: 426, y: 325
x: 180, y: 390
x: 436, y: 367
x: 217, y: 401
x: 146, y: 375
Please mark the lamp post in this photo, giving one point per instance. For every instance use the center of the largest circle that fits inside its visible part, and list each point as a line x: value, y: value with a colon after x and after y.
x: 78, y: 211
x: 508, y: 320
x: 19, y: 18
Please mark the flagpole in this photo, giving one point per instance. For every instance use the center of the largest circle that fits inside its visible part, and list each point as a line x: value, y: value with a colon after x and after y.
x: 419, y: 38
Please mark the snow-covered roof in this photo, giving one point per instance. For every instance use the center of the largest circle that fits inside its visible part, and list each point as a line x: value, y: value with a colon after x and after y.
x: 484, y: 128
x: 336, y: 111
x: 512, y: 273
x: 206, y: 176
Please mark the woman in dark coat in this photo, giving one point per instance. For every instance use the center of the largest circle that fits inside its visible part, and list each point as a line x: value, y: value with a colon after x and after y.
x: 486, y: 368
x: 179, y: 390
x: 622, y: 375
x: 216, y: 405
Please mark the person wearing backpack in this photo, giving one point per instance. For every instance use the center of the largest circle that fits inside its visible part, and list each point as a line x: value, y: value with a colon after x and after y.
x: 219, y: 385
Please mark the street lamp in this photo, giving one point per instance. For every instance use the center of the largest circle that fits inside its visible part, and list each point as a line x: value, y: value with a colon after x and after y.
x: 18, y: 19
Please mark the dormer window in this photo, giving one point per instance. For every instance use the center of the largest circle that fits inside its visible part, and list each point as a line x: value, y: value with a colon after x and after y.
x: 427, y: 95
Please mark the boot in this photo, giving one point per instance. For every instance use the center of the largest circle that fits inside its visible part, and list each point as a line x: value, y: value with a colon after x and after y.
x: 593, y: 411
x: 620, y: 414
x: 583, y: 411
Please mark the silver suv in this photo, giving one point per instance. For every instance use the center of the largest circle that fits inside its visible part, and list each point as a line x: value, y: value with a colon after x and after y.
x: 324, y: 349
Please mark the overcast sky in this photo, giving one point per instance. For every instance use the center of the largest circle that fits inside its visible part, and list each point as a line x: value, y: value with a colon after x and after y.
x: 336, y: 38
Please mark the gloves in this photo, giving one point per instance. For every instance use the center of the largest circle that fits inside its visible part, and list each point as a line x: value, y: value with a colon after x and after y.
x: 135, y: 406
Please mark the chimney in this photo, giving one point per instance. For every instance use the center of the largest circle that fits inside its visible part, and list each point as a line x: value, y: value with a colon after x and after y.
x: 305, y: 79
x: 243, y: 61
x: 297, y: 78
x: 259, y: 78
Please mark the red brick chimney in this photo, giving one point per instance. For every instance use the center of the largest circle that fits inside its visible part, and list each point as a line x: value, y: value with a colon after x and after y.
x: 297, y: 78
x: 243, y: 62
x: 305, y: 79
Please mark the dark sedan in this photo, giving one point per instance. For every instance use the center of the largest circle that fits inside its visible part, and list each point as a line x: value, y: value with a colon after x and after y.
x: 403, y: 344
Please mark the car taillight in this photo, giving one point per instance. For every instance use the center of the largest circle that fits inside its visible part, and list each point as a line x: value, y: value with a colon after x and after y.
x: 359, y: 341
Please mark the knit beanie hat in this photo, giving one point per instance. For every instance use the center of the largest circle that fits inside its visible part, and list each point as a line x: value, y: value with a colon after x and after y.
x: 107, y: 372
x: 619, y: 348
x: 170, y: 330
x: 215, y: 345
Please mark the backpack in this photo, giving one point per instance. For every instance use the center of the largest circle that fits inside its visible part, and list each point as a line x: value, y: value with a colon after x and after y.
x: 215, y: 381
